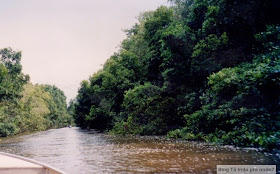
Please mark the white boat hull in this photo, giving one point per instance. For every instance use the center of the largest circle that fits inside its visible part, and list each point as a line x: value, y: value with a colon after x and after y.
x: 13, y: 164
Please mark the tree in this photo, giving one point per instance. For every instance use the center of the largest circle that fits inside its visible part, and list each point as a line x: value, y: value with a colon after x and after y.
x: 34, y: 109
x: 147, y: 111
x: 24, y: 106
x: 12, y: 82
x: 197, y: 59
x: 58, y: 115
x: 241, y: 106
x: 12, y: 79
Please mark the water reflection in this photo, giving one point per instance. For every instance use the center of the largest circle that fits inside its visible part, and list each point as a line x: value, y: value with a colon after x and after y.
x: 76, y: 151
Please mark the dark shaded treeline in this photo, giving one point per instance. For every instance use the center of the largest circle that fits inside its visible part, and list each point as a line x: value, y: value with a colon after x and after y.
x: 24, y: 106
x: 198, y: 70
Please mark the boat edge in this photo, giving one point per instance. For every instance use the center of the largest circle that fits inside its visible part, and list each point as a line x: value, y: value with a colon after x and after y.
x: 34, y: 162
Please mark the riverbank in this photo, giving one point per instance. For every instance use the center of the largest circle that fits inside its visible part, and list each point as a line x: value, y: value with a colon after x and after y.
x: 26, y: 133
x: 18, y: 135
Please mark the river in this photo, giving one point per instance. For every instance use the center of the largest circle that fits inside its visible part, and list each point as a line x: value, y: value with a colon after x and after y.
x: 77, y: 151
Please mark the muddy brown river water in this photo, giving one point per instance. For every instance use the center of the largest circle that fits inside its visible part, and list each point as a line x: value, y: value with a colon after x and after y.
x: 77, y: 151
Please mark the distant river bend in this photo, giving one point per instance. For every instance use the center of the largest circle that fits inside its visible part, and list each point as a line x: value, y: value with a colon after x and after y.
x: 76, y: 151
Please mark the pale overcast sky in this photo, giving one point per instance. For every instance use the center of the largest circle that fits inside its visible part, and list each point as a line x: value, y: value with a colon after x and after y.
x: 65, y: 41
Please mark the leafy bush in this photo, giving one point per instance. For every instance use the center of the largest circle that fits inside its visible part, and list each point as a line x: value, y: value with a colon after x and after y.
x: 7, y: 129
x: 241, y: 106
x: 148, y: 111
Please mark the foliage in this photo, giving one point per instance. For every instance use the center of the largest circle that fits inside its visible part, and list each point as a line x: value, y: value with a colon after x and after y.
x: 200, y: 69
x: 241, y: 106
x: 58, y: 115
x: 24, y: 106
x: 35, y: 109
x: 147, y: 111
x: 11, y: 79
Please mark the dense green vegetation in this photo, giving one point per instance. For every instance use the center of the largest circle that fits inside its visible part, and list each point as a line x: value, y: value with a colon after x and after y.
x: 24, y: 106
x: 198, y: 70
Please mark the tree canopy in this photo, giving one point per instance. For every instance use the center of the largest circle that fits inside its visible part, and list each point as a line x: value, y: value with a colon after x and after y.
x: 199, y: 69
x: 24, y: 106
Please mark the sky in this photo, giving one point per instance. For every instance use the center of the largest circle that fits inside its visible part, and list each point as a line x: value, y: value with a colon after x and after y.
x: 65, y: 41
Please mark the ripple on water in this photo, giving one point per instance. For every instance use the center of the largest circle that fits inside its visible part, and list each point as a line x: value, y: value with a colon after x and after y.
x: 79, y: 151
